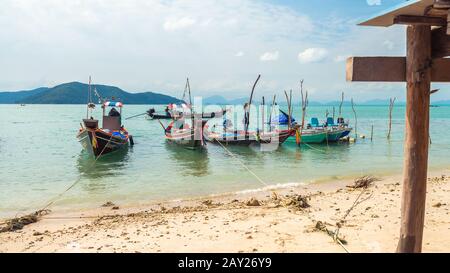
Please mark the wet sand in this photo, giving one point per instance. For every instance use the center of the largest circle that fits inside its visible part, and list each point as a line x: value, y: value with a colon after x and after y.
x: 251, y: 222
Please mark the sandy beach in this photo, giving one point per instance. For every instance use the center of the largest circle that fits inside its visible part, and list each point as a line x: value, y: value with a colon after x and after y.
x: 300, y: 219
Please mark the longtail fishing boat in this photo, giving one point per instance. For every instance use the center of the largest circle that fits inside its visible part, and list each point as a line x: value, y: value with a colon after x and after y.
x: 230, y: 136
x: 308, y: 136
x: 112, y: 136
x: 174, y: 110
x: 188, y: 135
x: 336, y: 131
x: 246, y: 138
x: 151, y: 114
x: 186, y: 128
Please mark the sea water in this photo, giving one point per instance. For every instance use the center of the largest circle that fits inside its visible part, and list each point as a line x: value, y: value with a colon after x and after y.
x: 40, y: 158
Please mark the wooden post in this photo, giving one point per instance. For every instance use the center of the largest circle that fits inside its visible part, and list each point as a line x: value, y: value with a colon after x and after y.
x: 263, y: 112
x: 418, y: 75
x: 371, y: 133
x: 391, y: 107
x: 304, y: 106
x: 356, y: 119
x: 289, y: 108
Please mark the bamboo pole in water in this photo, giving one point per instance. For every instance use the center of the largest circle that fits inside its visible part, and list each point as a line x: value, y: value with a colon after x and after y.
x: 391, y: 107
x: 262, y: 114
x: 304, y: 107
x: 289, y: 108
x: 247, y: 111
x: 356, y: 119
x: 271, y: 110
x: 371, y: 134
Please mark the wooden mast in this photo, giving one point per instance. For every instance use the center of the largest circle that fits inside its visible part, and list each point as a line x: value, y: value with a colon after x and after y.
x: 418, y: 76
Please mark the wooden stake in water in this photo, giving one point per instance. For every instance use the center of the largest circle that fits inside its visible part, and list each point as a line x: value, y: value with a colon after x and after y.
x: 263, y: 112
x: 288, y: 99
x: 304, y: 106
x: 391, y: 107
x: 356, y: 120
x: 371, y: 134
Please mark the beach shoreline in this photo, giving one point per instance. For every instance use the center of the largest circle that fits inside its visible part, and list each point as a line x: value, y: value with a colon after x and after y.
x: 248, y: 221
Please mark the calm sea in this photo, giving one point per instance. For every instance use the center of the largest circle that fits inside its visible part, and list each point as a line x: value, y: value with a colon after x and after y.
x: 40, y: 157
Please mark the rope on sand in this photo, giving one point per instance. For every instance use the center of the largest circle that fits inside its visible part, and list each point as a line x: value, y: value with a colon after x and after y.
x: 18, y: 223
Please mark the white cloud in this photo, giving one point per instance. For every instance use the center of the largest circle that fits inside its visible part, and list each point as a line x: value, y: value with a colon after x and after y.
x: 341, y: 58
x: 270, y: 56
x: 312, y: 55
x: 153, y: 45
x: 239, y: 54
x: 173, y: 24
x: 374, y: 2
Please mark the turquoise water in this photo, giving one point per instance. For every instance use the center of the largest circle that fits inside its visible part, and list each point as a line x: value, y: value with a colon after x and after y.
x: 40, y: 157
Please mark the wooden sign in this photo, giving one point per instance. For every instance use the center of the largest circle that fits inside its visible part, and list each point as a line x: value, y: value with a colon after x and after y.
x: 391, y: 69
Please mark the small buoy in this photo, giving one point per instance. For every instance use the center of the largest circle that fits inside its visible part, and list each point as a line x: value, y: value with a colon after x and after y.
x: 362, y: 136
x: 131, y: 141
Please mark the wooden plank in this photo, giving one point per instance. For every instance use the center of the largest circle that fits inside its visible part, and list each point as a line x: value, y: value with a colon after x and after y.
x: 440, y: 71
x: 420, y: 20
x: 386, y: 18
x: 376, y: 69
x: 390, y: 69
x: 440, y: 42
x: 448, y: 22
x: 417, y: 139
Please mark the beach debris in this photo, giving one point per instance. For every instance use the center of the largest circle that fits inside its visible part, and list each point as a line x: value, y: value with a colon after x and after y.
x: 207, y: 202
x: 115, y: 208
x: 296, y: 201
x: 438, y: 205
x: 20, y: 222
x: 108, y: 204
x: 274, y: 196
x: 253, y: 202
x: 321, y: 226
x: 438, y: 179
x: 363, y: 182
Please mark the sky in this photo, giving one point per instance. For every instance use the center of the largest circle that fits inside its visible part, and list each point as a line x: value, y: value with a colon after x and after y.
x: 221, y: 45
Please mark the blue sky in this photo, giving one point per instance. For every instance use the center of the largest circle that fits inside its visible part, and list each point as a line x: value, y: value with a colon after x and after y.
x: 153, y: 45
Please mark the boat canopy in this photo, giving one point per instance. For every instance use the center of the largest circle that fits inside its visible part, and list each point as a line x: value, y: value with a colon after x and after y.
x: 283, y: 119
x: 181, y: 107
x: 113, y: 104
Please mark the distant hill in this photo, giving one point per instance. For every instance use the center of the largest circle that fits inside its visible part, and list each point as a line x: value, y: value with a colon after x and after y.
x: 223, y: 101
x: 76, y: 93
x: 13, y: 97
x: 215, y: 100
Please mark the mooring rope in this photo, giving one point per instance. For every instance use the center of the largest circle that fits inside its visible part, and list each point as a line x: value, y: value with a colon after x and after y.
x: 78, y: 180
x: 242, y: 163
x: 314, y: 148
x: 50, y: 203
